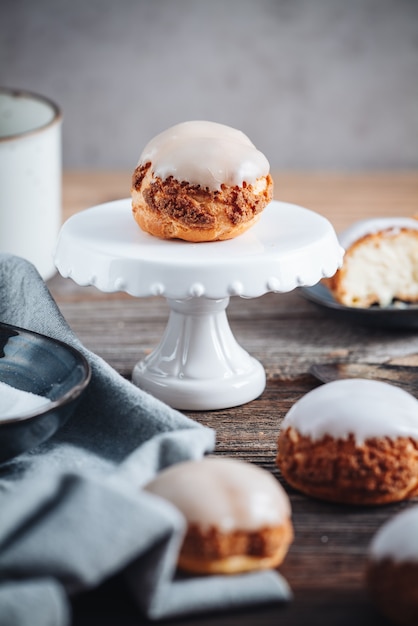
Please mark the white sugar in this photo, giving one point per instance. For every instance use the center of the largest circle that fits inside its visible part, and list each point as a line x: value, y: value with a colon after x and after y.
x: 16, y: 403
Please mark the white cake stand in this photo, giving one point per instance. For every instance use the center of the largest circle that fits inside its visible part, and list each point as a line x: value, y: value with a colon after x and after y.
x: 198, y: 364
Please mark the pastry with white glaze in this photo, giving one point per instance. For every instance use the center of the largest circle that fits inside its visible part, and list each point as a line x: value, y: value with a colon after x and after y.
x: 238, y: 515
x: 380, y: 264
x: 200, y: 181
x: 392, y: 572
x: 352, y: 441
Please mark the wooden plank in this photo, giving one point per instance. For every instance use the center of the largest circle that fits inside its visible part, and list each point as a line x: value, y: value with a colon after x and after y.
x: 326, y: 563
x: 284, y: 331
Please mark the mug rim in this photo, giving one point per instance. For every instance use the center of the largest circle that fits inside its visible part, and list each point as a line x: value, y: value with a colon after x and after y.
x: 31, y: 95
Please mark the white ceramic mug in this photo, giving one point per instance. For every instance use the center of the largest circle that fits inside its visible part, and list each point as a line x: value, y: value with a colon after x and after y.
x: 30, y: 177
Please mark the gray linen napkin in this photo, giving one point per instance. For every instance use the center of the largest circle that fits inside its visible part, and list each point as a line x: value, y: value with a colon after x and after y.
x: 72, y: 512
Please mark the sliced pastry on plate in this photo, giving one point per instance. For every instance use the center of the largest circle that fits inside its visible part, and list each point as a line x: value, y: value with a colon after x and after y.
x: 380, y: 263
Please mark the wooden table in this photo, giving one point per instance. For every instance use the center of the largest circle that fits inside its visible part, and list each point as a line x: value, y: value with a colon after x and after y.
x: 325, y: 565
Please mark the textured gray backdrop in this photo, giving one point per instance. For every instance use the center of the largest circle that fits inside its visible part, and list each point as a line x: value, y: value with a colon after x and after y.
x: 316, y: 84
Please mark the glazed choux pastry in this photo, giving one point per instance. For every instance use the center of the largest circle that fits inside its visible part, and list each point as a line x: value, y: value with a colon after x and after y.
x: 352, y: 441
x: 238, y: 515
x: 392, y: 571
x: 200, y: 181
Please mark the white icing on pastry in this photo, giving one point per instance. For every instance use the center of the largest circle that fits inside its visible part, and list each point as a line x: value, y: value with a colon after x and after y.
x: 206, y: 154
x: 375, y: 225
x: 363, y: 408
x: 397, y: 539
x: 225, y: 493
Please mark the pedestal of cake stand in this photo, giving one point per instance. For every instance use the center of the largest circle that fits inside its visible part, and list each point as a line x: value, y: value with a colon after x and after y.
x: 198, y: 364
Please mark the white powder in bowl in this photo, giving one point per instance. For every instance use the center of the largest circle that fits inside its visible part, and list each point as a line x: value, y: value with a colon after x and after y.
x: 17, y: 403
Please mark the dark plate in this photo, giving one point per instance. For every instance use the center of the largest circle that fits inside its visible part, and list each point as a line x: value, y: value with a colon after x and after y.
x: 44, y: 366
x: 400, y: 316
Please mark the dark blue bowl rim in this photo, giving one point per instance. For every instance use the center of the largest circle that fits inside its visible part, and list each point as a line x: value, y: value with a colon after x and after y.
x: 71, y: 394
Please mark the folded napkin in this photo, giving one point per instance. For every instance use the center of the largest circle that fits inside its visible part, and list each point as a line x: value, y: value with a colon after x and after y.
x: 72, y: 512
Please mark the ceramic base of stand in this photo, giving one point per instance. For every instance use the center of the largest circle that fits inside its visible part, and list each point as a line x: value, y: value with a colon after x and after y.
x: 198, y: 364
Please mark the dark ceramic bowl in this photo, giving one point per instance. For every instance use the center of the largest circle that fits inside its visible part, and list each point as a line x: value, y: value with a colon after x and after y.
x: 44, y: 366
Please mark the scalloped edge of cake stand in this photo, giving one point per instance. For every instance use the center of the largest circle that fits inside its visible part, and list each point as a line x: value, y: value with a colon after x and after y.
x: 198, y: 364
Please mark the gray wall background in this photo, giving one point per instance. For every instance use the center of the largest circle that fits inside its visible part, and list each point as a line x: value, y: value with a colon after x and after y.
x: 316, y: 84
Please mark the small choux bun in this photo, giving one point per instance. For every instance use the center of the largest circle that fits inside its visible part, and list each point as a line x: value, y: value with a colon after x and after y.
x: 352, y: 441
x: 238, y: 515
x: 200, y: 181
x: 392, y: 570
